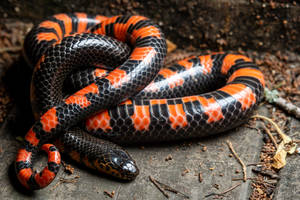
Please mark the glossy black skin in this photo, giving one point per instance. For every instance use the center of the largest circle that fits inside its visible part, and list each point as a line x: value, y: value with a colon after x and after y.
x: 102, y: 155
x: 70, y: 54
x: 73, y: 52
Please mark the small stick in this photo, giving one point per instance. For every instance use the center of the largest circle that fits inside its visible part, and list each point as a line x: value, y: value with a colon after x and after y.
x: 254, y: 164
x: 239, y: 159
x: 118, y: 193
x: 287, y: 106
x: 294, y: 92
x: 158, y: 186
x: 265, y: 184
x: 296, y: 141
x: 55, y: 186
x: 11, y: 49
x: 296, y: 133
x: 63, y: 180
x: 111, y: 195
x: 223, y: 193
x: 281, y: 134
x: 250, y: 127
x: 67, y: 168
x: 166, y: 187
x: 71, y: 180
x: 272, y: 97
x: 200, y: 178
x: 270, y: 135
x: 240, y: 179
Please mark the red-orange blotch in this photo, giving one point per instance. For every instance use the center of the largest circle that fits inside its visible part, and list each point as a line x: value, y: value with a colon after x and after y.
x: 177, y: 116
x: 141, y: 117
x: 49, y: 120
x: 212, y: 109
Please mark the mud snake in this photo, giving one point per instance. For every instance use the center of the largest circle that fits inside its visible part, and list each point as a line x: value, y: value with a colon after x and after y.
x: 131, y: 98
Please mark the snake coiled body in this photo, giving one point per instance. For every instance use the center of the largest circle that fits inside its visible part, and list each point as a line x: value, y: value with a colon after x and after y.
x: 131, y: 99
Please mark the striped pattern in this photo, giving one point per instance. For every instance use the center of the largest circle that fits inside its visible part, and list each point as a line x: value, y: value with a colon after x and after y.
x: 139, y: 119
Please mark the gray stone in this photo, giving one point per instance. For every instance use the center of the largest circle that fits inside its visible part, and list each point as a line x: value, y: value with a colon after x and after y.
x: 216, y: 166
x: 289, y: 183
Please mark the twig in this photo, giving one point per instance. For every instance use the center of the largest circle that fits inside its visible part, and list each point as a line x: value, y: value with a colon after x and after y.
x: 294, y: 134
x: 254, y: 164
x: 158, y: 186
x: 71, y: 180
x: 63, y: 180
x: 118, y: 193
x: 11, y: 49
x: 287, y: 106
x: 296, y: 141
x: 249, y: 126
x: 55, y: 186
x: 270, y: 135
x: 281, y: 134
x: 200, y: 178
x: 166, y: 187
x: 272, y: 97
x: 282, y: 83
x: 223, y: 193
x: 295, y: 92
x: 265, y: 184
x: 110, y: 194
x: 162, y: 187
x: 68, y: 168
x: 265, y: 172
x: 239, y: 159
x: 240, y: 179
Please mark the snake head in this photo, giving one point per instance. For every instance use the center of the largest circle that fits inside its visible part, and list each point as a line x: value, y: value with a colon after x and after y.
x: 126, y: 166
x: 118, y: 163
x: 98, y: 154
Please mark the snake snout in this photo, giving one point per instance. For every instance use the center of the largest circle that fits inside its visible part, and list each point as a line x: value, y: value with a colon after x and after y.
x: 131, y: 169
x: 126, y: 165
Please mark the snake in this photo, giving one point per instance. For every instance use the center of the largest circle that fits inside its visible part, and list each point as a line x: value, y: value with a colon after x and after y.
x: 123, y: 94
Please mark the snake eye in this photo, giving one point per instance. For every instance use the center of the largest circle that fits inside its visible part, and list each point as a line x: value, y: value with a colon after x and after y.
x: 116, y: 161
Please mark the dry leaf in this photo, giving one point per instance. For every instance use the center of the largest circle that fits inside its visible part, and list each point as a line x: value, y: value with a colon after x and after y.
x: 286, y: 146
x: 171, y: 46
